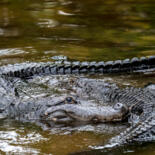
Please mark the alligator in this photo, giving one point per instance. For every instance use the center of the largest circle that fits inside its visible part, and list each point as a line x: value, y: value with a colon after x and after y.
x: 136, y: 105
x: 26, y: 70
x: 57, y: 108
x: 139, y: 104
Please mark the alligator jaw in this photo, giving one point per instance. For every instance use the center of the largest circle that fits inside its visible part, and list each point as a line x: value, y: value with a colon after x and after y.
x: 82, y: 112
x: 99, y: 114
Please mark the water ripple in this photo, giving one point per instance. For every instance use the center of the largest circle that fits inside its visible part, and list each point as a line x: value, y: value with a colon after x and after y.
x: 60, y: 12
x: 13, y: 142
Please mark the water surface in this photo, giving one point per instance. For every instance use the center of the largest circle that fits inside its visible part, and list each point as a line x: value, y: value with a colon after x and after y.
x: 78, y: 29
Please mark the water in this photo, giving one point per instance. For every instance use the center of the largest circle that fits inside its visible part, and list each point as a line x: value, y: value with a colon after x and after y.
x: 79, y: 29
x: 85, y: 30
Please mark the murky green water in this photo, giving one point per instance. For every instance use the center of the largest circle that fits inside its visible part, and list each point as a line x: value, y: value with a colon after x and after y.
x: 45, y: 30
x: 79, y: 29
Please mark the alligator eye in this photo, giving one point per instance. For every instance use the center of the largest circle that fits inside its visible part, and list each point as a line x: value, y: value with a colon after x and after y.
x: 70, y: 100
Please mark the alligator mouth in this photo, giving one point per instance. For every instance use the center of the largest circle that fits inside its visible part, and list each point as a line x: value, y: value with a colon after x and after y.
x: 69, y: 111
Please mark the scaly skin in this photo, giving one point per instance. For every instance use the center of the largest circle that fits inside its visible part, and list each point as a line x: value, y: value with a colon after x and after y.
x: 143, y: 131
x: 135, y: 103
x: 138, y: 103
x: 26, y: 70
x: 87, y: 112
x: 59, y: 110
x: 141, y: 105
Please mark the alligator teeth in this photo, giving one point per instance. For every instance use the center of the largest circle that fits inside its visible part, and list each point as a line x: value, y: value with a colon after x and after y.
x: 54, y: 119
x: 46, y: 113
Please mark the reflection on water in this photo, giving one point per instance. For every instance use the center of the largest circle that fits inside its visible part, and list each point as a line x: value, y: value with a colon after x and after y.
x: 80, y: 30
x: 47, y: 30
x: 15, y: 138
x: 26, y: 139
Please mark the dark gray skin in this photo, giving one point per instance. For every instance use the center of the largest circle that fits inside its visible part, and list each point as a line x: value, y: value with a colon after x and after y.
x: 66, y: 111
x: 85, y: 112
x: 141, y: 105
x: 27, y: 70
x: 136, y: 104
x: 58, y: 109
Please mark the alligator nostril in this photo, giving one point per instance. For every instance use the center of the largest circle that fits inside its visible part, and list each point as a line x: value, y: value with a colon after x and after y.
x: 118, y: 106
x: 95, y: 119
x: 46, y: 113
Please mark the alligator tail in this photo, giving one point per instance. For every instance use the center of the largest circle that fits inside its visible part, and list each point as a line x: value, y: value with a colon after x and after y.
x: 26, y: 70
x: 138, y: 132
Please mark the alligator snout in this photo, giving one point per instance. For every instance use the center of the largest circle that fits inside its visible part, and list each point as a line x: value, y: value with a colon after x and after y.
x: 73, y: 111
x: 114, y: 113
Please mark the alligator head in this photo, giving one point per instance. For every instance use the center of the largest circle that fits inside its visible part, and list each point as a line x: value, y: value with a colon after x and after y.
x: 70, y: 110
